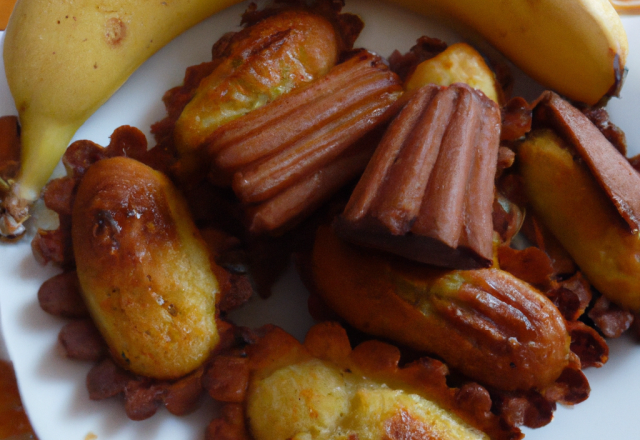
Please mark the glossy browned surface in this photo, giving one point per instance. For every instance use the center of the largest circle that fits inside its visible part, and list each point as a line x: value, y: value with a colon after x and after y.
x: 486, y: 323
x: 144, y: 270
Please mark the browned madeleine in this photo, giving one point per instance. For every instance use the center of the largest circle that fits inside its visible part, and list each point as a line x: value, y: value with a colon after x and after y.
x: 145, y: 273
x: 485, y: 323
x: 323, y: 389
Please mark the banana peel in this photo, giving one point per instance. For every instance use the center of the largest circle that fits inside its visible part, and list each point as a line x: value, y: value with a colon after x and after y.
x: 63, y: 60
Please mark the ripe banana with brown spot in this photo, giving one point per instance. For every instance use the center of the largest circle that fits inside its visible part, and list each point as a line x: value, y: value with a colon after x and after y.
x: 64, y: 59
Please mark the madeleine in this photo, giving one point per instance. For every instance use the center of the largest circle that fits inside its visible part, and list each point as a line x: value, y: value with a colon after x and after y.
x: 144, y: 271
x: 485, y: 323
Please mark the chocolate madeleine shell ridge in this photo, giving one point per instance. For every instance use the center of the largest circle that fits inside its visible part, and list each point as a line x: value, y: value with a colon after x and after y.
x: 427, y: 193
x: 283, y: 159
x: 612, y: 170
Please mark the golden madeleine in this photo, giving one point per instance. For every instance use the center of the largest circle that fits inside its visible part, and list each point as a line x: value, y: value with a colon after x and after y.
x: 145, y: 273
x: 260, y: 63
x: 323, y: 389
x: 567, y: 198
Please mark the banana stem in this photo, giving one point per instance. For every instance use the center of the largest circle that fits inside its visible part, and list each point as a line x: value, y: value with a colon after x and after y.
x: 44, y: 141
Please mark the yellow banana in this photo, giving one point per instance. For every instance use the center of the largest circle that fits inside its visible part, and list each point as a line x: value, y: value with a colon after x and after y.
x: 64, y: 59
x: 575, y: 47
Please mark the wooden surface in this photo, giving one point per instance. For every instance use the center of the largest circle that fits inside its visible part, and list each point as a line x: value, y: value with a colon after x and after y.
x: 6, y: 6
x: 14, y: 423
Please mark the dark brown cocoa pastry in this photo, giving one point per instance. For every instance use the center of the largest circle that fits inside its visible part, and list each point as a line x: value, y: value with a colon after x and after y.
x: 289, y: 155
x: 428, y: 191
x: 611, y: 169
x: 305, y: 196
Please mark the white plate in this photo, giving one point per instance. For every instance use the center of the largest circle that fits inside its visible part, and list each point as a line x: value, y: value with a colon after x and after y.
x: 53, y: 388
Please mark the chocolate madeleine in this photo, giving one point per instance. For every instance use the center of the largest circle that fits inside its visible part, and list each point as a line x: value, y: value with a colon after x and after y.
x: 270, y: 155
x: 427, y: 193
x: 305, y: 196
x: 611, y: 169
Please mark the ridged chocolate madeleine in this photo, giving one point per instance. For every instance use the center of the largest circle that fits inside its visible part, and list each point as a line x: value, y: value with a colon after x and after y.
x: 611, y: 169
x: 427, y: 193
x: 282, y: 147
x: 303, y: 197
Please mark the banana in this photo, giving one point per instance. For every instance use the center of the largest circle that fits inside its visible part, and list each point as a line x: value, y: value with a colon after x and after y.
x: 64, y: 59
x: 575, y: 47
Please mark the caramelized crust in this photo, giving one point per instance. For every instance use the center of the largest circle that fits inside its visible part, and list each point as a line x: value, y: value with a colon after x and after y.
x: 485, y: 323
x: 427, y: 193
x: 326, y: 389
x: 145, y: 273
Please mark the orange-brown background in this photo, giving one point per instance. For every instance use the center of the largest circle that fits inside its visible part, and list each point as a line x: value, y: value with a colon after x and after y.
x: 6, y: 6
x: 13, y: 421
